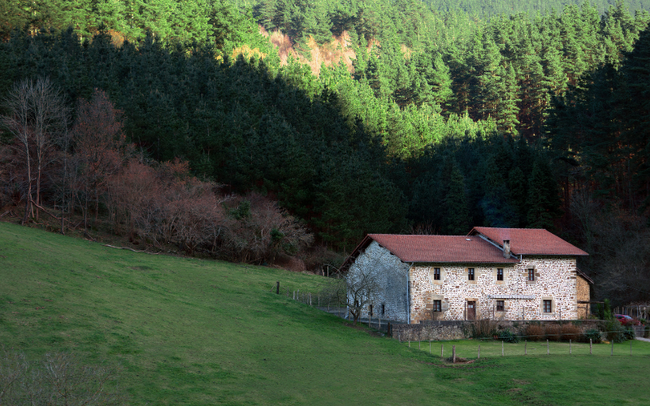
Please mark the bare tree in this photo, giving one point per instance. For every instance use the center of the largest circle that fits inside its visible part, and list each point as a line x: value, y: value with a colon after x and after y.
x: 100, y: 148
x: 37, y: 116
x: 59, y: 379
x: 363, y: 289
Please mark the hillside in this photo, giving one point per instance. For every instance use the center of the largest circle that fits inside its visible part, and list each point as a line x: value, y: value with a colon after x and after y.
x: 188, y: 331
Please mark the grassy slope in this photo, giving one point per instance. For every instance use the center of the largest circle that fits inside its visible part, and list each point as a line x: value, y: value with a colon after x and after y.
x: 189, y: 331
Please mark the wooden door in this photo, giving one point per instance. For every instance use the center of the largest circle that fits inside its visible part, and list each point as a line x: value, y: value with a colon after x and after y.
x: 471, y: 310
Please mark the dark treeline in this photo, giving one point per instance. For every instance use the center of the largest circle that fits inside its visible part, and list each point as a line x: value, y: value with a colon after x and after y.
x: 484, y: 9
x: 443, y: 121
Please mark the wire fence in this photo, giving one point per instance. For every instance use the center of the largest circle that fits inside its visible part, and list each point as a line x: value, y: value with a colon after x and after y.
x: 488, y: 347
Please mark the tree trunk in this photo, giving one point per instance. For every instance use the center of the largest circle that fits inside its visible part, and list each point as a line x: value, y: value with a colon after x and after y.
x: 28, y: 196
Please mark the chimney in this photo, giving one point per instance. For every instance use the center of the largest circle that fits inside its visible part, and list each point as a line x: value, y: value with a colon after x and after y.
x: 506, y: 248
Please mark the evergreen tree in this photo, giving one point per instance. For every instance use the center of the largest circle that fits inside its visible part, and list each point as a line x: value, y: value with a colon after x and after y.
x: 457, y: 219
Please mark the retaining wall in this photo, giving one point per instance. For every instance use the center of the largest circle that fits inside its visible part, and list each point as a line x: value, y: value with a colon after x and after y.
x: 457, y: 329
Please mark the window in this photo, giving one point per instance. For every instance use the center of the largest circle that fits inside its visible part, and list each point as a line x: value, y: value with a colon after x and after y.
x: 383, y: 309
x: 499, y: 274
x: 531, y: 275
x: 436, y: 274
x: 547, y: 306
x: 437, y: 305
x: 370, y: 310
x: 470, y: 274
x: 501, y: 306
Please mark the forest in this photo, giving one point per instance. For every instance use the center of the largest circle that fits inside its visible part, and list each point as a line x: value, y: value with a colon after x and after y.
x: 258, y: 130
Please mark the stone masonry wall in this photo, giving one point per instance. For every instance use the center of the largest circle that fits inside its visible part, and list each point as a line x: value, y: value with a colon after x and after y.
x: 392, y: 275
x: 457, y: 330
x: 555, y: 280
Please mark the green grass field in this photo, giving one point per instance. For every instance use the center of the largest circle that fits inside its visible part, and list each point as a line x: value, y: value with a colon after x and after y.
x: 200, y: 332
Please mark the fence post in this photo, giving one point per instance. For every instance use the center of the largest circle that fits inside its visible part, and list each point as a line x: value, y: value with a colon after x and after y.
x: 569, y: 346
x: 409, y: 343
x: 419, y: 347
x: 442, y: 350
x: 590, y: 345
x: 612, y: 348
x: 453, y: 354
x: 479, y: 351
x: 310, y: 298
x: 630, y: 348
x: 277, y: 288
x: 525, y: 347
x: 502, y: 350
x: 548, y: 349
x: 429, y: 346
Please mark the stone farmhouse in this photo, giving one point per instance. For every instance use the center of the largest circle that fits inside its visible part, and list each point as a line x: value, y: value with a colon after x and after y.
x: 497, y: 273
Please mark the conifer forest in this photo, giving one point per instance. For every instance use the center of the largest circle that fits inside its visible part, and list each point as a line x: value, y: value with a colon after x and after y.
x: 256, y: 129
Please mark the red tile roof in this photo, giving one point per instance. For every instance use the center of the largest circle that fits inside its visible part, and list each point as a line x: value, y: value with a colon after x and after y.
x: 441, y: 248
x: 529, y: 241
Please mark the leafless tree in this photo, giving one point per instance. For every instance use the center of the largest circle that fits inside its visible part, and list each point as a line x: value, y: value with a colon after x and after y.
x: 37, y: 116
x: 363, y: 289
x: 59, y: 379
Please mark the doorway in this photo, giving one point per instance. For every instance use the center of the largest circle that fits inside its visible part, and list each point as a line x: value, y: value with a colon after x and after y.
x: 471, y: 310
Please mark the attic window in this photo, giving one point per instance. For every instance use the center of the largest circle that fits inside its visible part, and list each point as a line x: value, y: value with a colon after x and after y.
x: 470, y: 274
x: 499, y: 274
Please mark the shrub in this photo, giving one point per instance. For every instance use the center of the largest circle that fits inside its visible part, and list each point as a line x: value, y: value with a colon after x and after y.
x: 534, y: 332
x: 593, y: 334
x: 58, y: 379
x: 508, y: 336
x: 483, y: 328
x: 615, y: 331
x: 553, y: 332
x: 570, y: 332
x: 629, y: 334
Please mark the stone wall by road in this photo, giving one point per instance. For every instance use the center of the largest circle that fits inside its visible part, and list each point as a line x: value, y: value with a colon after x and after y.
x: 457, y: 329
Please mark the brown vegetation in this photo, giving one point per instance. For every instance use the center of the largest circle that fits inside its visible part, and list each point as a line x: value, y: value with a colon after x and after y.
x: 337, y: 50
x: 534, y: 332
x: 570, y: 332
x: 95, y: 171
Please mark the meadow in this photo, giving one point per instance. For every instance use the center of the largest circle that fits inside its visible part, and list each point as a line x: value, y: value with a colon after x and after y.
x: 203, y: 332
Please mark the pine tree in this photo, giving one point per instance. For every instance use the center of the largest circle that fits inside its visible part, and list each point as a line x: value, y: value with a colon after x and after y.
x: 543, y: 199
x: 457, y: 219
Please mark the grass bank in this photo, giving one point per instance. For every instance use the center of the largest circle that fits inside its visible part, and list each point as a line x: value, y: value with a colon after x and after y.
x: 199, y: 332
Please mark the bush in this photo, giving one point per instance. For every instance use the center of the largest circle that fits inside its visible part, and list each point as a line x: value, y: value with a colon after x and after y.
x: 570, y: 332
x: 483, y: 328
x: 534, y: 332
x: 593, y: 334
x: 629, y: 334
x: 553, y: 332
x: 508, y: 336
x: 58, y: 379
x: 615, y: 331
